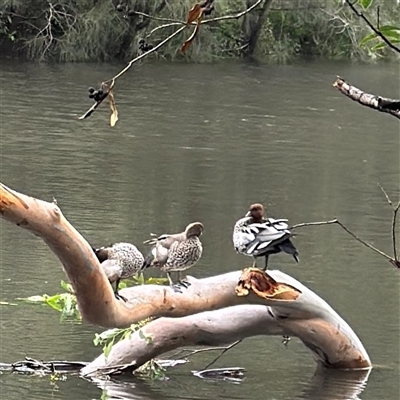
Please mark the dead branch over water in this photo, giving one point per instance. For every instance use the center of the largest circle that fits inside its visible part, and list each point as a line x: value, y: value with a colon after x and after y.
x: 111, y: 82
x: 212, y: 311
x: 382, y: 104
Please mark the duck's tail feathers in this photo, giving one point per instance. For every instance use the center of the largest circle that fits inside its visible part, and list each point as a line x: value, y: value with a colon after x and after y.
x: 288, y: 247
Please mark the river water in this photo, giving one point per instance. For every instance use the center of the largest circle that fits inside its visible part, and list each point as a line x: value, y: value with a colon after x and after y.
x: 202, y: 142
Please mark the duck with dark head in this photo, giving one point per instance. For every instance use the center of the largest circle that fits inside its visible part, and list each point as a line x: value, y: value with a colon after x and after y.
x: 255, y: 235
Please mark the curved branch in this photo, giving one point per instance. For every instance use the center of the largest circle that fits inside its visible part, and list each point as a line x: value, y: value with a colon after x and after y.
x: 293, y: 309
x: 94, y: 294
x: 331, y: 340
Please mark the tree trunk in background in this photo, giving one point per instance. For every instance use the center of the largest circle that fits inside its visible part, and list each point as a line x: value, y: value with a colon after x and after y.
x: 253, y: 23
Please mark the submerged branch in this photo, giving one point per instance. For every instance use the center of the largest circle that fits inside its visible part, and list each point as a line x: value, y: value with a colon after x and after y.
x: 378, y: 103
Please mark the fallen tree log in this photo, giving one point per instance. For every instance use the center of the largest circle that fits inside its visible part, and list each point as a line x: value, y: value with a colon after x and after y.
x: 205, y: 313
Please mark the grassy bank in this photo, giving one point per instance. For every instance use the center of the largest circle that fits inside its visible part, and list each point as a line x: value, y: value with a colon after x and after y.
x: 104, y: 30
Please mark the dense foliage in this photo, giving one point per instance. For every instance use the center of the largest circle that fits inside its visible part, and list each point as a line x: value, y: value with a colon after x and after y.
x: 103, y: 30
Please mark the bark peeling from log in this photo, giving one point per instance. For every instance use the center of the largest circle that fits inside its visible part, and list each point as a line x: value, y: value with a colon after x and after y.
x: 264, y: 286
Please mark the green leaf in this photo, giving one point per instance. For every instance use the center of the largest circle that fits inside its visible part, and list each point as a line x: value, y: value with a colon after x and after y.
x: 109, y: 334
x: 156, y: 281
x: 107, y: 348
x: 148, y: 339
x: 66, y: 286
x: 368, y: 38
x: 365, y: 4
x: 382, y: 45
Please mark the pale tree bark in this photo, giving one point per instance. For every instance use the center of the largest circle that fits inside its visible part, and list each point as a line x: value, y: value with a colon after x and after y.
x: 205, y: 313
x: 382, y: 104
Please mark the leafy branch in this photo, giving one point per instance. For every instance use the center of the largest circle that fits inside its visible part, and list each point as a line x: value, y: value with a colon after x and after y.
x: 383, y: 32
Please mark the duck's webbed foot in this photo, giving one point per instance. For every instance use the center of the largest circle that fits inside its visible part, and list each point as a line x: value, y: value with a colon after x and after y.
x: 286, y: 340
x: 184, y: 283
x: 120, y: 297
x: 176, y: 287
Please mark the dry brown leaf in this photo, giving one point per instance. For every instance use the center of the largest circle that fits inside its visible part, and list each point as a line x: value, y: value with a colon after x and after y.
x: 195, y: 14
x: 190, y: 39
x: 264, y: 286
x: 113, y: 108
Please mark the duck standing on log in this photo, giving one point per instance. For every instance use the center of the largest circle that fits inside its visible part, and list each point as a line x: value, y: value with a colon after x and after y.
x: 257, y: 236
x: 119, y: 261
x: 176, y: 252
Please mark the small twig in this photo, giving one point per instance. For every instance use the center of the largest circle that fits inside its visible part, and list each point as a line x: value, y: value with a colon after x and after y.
x: 222, y: 353
x: 396, y: 256
x: 386, y: 195
x: 178, y: 355
x: 157, y: 18
x: 333, y: 221
x: 395, y: 211
x: 336, y: 221
x: 378, y: 16
x: 155, y: 48
x: 112, y: 80
x: 377, y: 31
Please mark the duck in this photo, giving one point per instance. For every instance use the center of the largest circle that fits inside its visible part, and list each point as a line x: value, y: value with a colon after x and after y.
x: 258, y: 236
x: 119, y: 261
x: 176, y: 252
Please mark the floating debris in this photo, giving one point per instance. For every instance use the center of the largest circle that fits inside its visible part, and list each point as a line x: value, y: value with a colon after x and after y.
x: 233, y: 374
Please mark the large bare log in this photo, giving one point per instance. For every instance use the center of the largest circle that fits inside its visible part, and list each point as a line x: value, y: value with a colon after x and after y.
x: 293, y: 308
x: 378, y: 103
x: 331, y: 340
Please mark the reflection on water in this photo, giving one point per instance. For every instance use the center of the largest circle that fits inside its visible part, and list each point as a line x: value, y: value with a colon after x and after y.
x: 202, y: 142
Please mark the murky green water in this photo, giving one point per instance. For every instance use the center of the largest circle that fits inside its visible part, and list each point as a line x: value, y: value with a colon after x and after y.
x: 201, y: 142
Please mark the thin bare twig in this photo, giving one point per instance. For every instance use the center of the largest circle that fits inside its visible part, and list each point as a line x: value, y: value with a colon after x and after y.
x: 155, y: 48
x: 157, y: 18
x: 395, y: 211
x: 222, y: 353
x: 190, y: 352
x: 333, y: 221
x: 386, y: 195
x: 372, y: 27
x: 112, y: 80
x: 336, y: 221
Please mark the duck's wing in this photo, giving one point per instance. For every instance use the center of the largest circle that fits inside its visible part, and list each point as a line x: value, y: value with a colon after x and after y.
x: 156, y: 238
x: 265, y: 236
x: 112, y: 270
